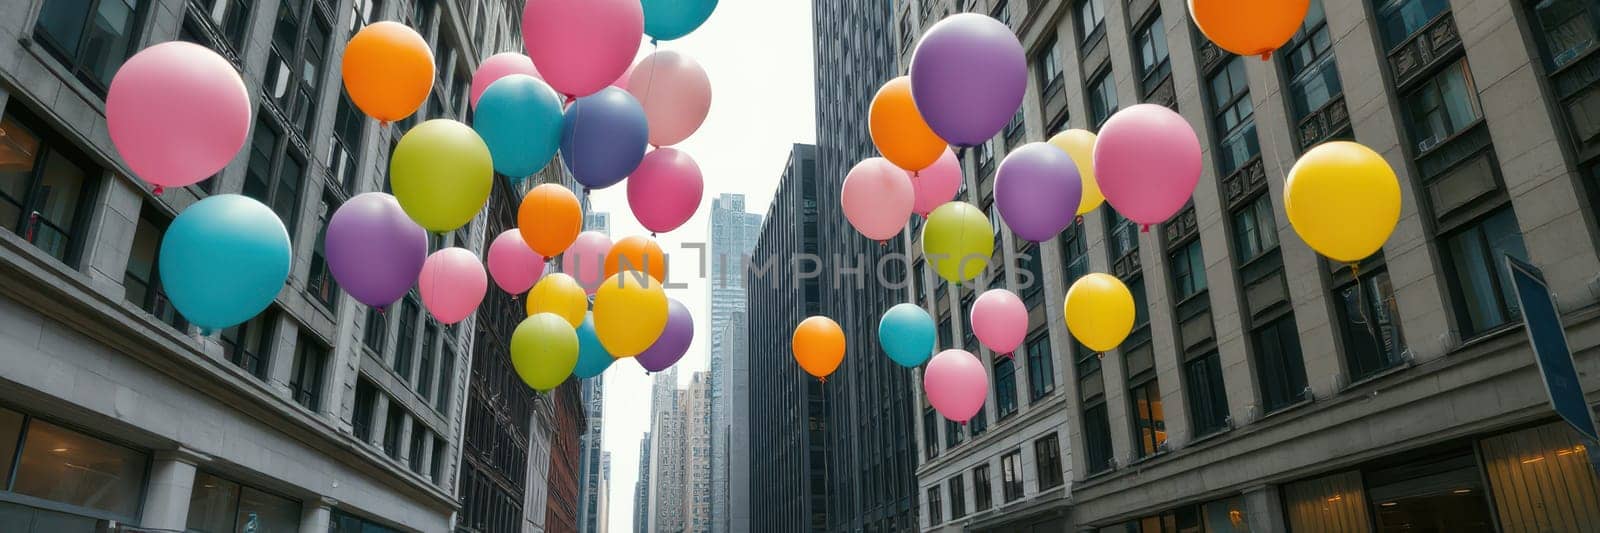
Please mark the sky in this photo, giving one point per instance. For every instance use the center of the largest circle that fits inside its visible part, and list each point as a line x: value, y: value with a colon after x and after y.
x: 758, y: 56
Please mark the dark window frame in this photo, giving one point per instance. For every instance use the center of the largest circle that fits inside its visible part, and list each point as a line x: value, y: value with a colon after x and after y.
x: 1102, y: 96
x: 1047, y: 462
x: 1041, y: 366
x: 1158, y: 67
x: 1281, y: 384
x: 307, y: 380
x: 982, y: 490
x: 74, y: 61
x: 258, y: 362
x: 958, y: 497
x: 1146, y: 387
x: 1011, y: 476
x: 31, y: 221
x: 1005, y: 388
x: 1206, y: 394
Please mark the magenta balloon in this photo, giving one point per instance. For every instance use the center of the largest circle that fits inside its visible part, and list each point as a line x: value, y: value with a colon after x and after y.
x: 374, y: 250
x: 585, y: 260
x: 1036, y: 191
x: 1147, y: 163
x: 582, y: 46
x: 514, y: 266
x: 956, y: 384
x: 673, y: 342
x: 1000, y: 319
x: 177, y: 113
x: 938, y: 184
x: 452, y: 284
x: 499, y: 66
x: 877, y: 198
x: 675, y: 93
x: 665, y: 190
x: 968, y: 75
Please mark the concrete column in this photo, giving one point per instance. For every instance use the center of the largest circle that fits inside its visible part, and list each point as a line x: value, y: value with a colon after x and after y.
x: 280, y: 357
x: 1264, y: 509
x: 315, y: 515
x: 380, y: 420
x: 166, y: 501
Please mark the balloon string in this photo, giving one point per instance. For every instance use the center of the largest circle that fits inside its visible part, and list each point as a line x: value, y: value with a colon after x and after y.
x: 1361, y: 305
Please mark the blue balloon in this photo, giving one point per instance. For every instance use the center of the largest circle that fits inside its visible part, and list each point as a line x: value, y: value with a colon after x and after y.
x: 519, y: 118
x: 907, y: 334
x: 604, y: 138
x: 223, y: 260
x: 665, y: 20
x: 593, y: 359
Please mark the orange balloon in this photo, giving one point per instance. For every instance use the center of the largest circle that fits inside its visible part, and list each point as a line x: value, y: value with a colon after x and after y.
x: 388, y: 70
x: 898, y: 129
x: 1249, y: 27
x: 635, y: 254
x: 819, y: 346
x: 549, y: 219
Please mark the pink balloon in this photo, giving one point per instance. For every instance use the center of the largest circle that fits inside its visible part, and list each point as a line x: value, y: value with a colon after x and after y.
x: 452, y: 284
x: 665, y: 190
x: 498, y: 66
x: 514, y: 266
x: 877, y: 198
x: 1147, y: 162
x: 1000, y: 320
x: 956, y: 384
x: 622, y: 81
x: 585, y: 260
x: 178, y: 113
x: 938, y: 184
x: 582, y: 46
x: 675, y: 93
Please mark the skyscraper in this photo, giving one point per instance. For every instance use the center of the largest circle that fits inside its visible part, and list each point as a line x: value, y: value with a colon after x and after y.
x: 696, y: 402
x: 591, y: 479
x: 641, y: 488
x: 666, y: 453
x: 736, y: 339
x: 732, y: 235
x: 597, y: 221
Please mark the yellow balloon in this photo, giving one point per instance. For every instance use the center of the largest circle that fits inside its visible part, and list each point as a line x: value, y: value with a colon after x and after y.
x: 630, y: 312
x: 1343, y: 199
x: 958, y: 241
x: 1080, y: 145
x: 1099, y: 311
x: 441, y: 173
x: 559, y: 294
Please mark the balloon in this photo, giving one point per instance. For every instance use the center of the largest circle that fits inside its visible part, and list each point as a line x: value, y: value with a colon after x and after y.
x: 877, y: 198
x: 666, y: 20
x: 622, y: 81
x: 495, y: 67
x: 1099, y: 311
x: 818, y: 346
x: 937, y: 184
x: 630, y: 313
x: 177, y: 113
x: 514, y: 266
x: 674, y: 340
x: 958, y: 241
x: 388, y: 70
x: 1080, y: 145
x: 637, y: 254
x: 604, y: 138
x: 585, y: 260
x: 1000, y: 320
x: 374, y: 250
x: 675, y: 93
x: 452, y: 284
x: 441, y: 173
x: 968, y: 75
x: 560, y: 295
x: 1249, y: 27
x: 1147, y: 162
x: 956, y: 384
x: 1034, y: 189
x: 544, y: 351
x: 223, y: 260
x: 549, y: 219
x: 907, y: 334
x: 898, y: 130
x: 582, y: 45
x: 1343, y: 199
x: 593, y: 359
x: 520, y: 121
x: 665, y: 190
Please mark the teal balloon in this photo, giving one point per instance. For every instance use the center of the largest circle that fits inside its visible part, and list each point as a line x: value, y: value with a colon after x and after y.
x: 907, y: 334
x: 665, y: 20
x: 223, y: 260
x: 519, y: 117
x: 593, y: 359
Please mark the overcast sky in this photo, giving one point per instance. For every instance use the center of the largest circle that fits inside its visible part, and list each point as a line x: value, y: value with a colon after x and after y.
x: 758, y: 55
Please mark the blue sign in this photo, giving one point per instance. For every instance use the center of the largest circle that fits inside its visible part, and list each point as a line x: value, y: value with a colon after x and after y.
x: 1550, y: 348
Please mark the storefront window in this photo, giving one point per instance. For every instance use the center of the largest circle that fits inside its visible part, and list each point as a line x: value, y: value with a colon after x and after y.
x: 1431, y: 494
x: 65, y: 466
x: 1330, y: 504
x: 1226, y: 516
x: 1542, y: 480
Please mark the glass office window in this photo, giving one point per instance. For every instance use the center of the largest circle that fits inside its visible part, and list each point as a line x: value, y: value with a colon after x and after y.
x: 62, y: 465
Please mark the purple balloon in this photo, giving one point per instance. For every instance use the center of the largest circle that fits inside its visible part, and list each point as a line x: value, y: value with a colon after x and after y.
x: 604, y: 137
x: 1037, y: 191
x: 374, y: 250
x: 967, y: 78
x: 673, y: 342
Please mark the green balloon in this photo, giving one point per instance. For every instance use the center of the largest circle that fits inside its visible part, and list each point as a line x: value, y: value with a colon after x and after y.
x: 441, y: 173
x: 544, y: 350
x: 958, y: 241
